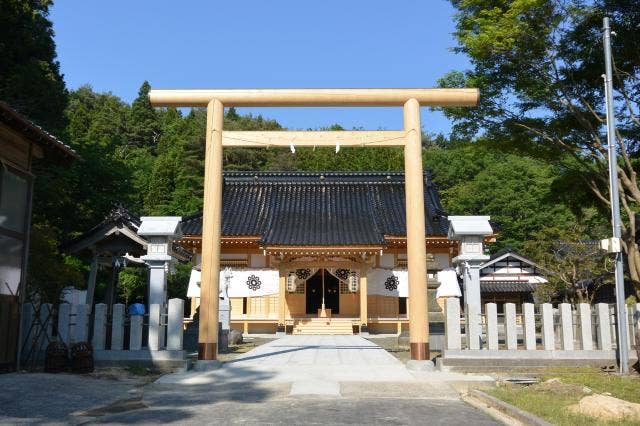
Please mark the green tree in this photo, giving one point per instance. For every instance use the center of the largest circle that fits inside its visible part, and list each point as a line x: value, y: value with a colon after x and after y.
x: 143, y: 125
x: 132, y: 283
x: 516, y: 191
x: 538, y: 65
x: 30, y: 78
x: 575, y: 267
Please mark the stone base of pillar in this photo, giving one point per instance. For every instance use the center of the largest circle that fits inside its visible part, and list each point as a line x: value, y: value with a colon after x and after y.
x: 207, y: 351
x: 423, y: 365
x: 207, y: 365
x: 419, y: 351
x: 364, y: 330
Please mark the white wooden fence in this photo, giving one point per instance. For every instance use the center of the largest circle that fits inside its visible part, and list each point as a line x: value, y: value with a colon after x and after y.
x: 536, y: 332
x: 121, y: 337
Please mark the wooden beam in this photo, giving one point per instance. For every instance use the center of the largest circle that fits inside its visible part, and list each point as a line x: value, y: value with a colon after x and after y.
x: 314, y: 97
x: 416, y: 247
x: 211, y: 230
x: 311, y: 138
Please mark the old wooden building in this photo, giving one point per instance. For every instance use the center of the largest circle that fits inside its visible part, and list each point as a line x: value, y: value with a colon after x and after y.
x: 21, y: 141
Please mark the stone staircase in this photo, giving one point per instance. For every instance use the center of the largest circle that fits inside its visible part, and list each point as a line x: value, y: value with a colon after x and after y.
x: 323, y: 326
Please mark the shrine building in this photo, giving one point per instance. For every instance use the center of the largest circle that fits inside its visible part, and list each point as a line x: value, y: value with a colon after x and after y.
x: 320, y: 252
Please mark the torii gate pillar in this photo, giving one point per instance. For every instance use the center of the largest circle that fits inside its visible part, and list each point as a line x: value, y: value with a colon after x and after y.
x: 416, y: 246
x: 211, y: 233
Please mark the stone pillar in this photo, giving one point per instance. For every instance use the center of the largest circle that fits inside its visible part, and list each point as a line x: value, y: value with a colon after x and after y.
x: 452, y: 324
x: 604, y: 327
x: 473, y: 327
x: 174, y: 324
x: 548, y: 339
x: 282, y: 294
x: 510, y: 326
x: 99, y: 326
x: 135, y: 333
x: 566, y: 317
x: 117, y: 327
x: 416, y: 246
x: 160, y: 232
x: 491, y: 311
x: 529, y: 327
x: 586, y: 331
x: 157, y: 303
x: 471, y: 283
x: 156, y: 329
x: 224, y: 313
x: 364, y: 311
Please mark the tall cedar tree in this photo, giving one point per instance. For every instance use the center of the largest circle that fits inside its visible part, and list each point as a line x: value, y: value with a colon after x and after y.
x: 30, y: 79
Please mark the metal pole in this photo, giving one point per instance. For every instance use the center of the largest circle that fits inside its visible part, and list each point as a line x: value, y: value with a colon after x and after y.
x: 621, y: 317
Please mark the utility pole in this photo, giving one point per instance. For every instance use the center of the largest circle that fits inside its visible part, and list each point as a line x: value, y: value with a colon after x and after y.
x: 621, y: 317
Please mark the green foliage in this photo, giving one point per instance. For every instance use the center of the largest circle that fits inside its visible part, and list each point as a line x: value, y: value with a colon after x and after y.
x: 516, y: 191
x: 49, y: 271
x: 574, y: 264
x: 132, y: 283
x: 178, y: 282
x: 30, y: 79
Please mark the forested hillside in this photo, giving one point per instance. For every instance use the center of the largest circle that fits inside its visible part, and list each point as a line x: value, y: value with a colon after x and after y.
x: 151, y: 161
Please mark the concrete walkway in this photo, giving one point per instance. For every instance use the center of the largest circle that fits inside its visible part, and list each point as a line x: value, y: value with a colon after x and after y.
x: 303, y: 359
x: 293, y: 380
x: 317, y: 365
x: 307, y: 380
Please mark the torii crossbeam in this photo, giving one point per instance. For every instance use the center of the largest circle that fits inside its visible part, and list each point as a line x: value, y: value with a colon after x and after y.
x: 409, y: 138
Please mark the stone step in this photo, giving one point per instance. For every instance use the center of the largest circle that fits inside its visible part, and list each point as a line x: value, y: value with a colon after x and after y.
x: 322, y: 326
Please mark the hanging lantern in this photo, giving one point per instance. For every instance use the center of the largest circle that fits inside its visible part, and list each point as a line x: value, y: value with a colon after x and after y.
x: 354, y: 281
x: 291, y: 282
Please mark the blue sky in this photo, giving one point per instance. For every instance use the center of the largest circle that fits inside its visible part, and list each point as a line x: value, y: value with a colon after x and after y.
x: 116, y: 45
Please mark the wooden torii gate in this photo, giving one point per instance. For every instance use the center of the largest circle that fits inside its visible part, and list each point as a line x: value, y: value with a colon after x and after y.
x: 410, y: 138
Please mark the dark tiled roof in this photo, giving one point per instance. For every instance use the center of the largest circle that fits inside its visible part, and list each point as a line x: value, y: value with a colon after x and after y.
x: 506, y: 287
x: 12, y: 118
x: 302, y: 208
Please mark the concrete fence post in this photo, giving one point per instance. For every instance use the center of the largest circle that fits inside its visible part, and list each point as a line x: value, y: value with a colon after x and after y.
x: 64, y: 320
x: 628, y: 316
x: 529, y: 326
x: 452, y: 334
x: 566, y: 318
x: 174, y: 324
x: 491, y: 311
x: 135, y: 333
x: 586, y: 331
x: 99, y: 326
x: 548, y: 338
x: 117, y: 327
x: 82, y: 324
x: 474, y: 327
x: 511, y: 328
x: 604, y: 327
x: 636, y: 321
x: 154, y: 327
